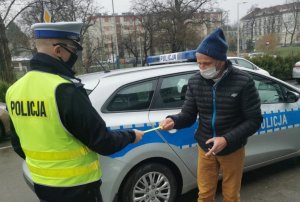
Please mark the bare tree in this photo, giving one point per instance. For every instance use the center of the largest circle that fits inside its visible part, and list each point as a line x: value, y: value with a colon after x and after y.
x: 95, y: 54
x: 149, y: 23
x: 291, y: 19
x: 32, y: 11
x: 130, y: 42
x: 267, y: 42
x: 272, y: 18
x: 18, y: 40
x: 252, y: 15
x: 7, y: 16
x: 67, y: 10
x: 173, y: 18
x: 286, y: 27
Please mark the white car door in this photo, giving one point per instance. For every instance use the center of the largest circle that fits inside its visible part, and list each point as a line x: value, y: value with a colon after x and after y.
x: 169, y: 99
x: 279, y: 132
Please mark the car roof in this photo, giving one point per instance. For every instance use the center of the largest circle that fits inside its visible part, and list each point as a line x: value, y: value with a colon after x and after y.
x: 235, y: 57
x: 147, y: 71
x: 138, y: 73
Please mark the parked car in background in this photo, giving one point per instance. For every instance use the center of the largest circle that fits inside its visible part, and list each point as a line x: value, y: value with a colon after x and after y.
x: 296, y: 72
x: 256, y: 54
x: 260, y: 54
x: 247, y: 64
x: 164, y: 163
x: 4, y: 122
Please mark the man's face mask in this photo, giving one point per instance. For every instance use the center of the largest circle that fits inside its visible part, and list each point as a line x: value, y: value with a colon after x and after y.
x: 209, y: 73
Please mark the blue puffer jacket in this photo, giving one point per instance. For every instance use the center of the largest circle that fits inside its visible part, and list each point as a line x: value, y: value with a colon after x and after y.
x: 228, y: 108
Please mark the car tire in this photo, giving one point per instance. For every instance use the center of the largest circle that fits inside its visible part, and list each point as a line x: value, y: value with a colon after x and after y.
x: 298, y: 81
x: 137, y: 186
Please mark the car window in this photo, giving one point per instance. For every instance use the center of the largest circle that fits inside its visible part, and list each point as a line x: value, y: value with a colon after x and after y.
x: 244, y: 63
x: 233, y: 61
x: 133, y: 97
x: 269, y: 90
x: 172, y: 91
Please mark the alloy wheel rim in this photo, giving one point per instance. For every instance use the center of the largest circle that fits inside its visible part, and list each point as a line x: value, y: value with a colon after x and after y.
x: 152, y: 187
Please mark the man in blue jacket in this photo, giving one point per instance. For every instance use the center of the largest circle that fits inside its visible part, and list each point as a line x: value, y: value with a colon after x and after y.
x: 228, y: 106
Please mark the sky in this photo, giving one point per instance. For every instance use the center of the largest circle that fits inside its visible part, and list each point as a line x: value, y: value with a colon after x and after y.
x: 228, y: 5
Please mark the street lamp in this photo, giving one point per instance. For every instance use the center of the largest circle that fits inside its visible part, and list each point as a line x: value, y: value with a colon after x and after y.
x: 238, y: 28
x: 116, y: 35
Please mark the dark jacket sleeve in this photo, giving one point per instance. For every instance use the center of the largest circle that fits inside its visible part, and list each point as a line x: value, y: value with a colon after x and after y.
x: 251, y: 113
x: 81, y: 119
x: 15, y: 141
x: 188, y: 113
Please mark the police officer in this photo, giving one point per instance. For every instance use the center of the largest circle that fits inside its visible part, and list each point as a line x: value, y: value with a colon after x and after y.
x: 57, y: 130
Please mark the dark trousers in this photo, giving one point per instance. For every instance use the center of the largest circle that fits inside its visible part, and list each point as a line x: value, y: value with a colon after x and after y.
x: 83, y: 193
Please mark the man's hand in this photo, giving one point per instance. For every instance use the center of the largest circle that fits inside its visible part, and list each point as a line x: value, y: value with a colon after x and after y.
x: 219, y: 143
x: 167, y: 124
x: 138, y: 136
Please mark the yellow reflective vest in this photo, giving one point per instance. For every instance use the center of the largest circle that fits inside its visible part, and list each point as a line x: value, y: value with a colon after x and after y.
x: 54, y: 157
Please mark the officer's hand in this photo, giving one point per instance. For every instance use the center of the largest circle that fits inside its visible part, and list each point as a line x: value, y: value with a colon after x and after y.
x: 138, y: 135
x: 219, y: 143
x: 167, y: 124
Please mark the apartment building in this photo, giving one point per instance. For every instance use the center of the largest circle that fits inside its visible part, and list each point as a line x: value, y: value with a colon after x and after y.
x: 283, y: 20
x: 108, y: 31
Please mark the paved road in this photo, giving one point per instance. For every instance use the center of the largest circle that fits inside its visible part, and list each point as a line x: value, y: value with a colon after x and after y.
x: 13, y: 187
x: 275, y: 183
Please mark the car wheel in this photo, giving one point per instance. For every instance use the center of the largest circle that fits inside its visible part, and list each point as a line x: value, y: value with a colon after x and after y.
x: 298, y: 81
x: 150, y: 182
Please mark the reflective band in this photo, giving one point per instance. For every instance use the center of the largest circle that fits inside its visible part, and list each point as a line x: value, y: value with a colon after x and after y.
x: 64, y: 172
x: 66, y: 155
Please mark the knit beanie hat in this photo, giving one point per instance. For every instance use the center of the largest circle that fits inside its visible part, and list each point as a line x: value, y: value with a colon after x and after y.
x: 214, y: 45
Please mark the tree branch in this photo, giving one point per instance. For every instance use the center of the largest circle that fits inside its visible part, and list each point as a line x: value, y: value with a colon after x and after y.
x: 29, y: 5
x: 8, y: 9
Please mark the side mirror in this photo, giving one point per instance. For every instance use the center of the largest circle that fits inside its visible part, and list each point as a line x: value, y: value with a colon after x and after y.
x: 292, y: 96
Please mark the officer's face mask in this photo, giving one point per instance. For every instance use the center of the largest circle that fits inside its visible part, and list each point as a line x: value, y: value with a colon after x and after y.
x: 210, y: 72
x: 72, y: 59
x: 73, y: 55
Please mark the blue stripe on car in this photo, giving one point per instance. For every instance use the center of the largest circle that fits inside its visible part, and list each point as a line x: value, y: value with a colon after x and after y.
x: 184, y: 138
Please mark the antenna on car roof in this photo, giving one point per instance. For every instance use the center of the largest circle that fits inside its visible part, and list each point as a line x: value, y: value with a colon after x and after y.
x: 102, y: 66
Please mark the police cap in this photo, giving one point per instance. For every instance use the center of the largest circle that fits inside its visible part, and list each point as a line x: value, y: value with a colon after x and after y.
x: 58, y: 30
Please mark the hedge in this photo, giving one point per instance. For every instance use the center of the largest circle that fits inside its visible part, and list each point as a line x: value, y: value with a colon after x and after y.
x: 277, y: 66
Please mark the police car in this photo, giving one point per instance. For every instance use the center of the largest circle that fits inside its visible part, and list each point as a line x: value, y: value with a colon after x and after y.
x: 163, y: 165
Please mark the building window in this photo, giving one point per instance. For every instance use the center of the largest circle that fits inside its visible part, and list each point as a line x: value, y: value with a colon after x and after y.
x: 118, y: 19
